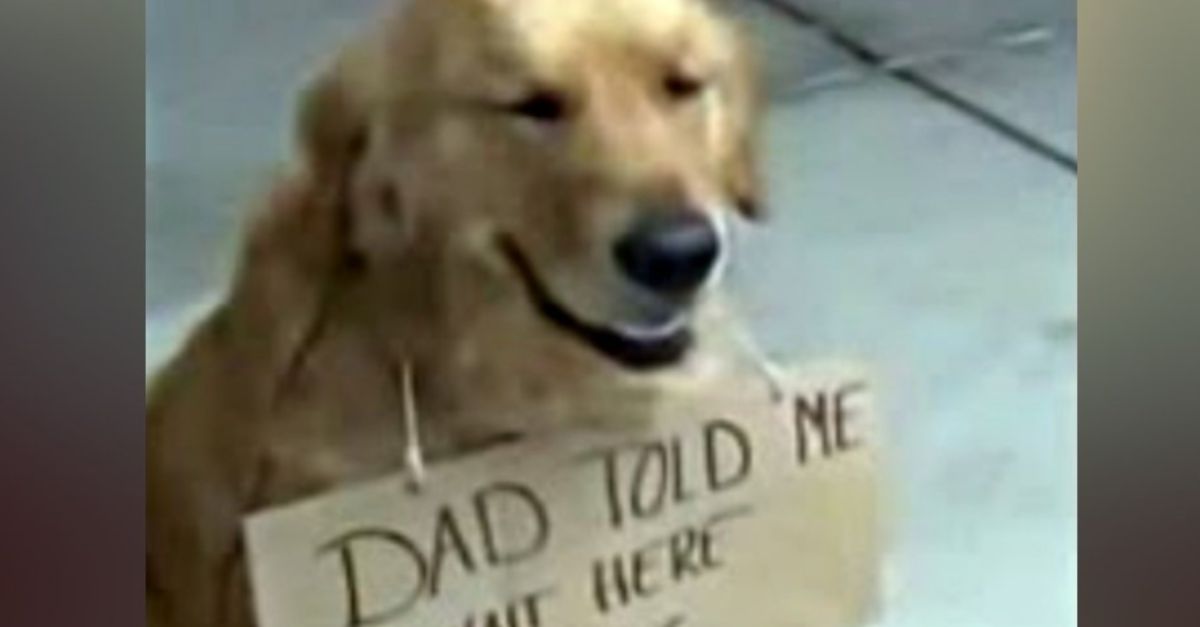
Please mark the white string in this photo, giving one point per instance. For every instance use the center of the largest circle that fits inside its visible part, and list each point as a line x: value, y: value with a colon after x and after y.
x: 771, y: 373
x: 414, y: 455
x: 767, y: 367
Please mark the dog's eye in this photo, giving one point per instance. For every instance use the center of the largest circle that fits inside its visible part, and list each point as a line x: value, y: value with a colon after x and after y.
x: 542, y: 106
x: 682, y: 86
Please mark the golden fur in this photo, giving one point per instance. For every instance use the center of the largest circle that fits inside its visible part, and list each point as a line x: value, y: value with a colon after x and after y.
x: 378, y: 250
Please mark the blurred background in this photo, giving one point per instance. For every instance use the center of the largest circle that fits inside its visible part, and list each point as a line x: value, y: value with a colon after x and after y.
x: 921, y: 170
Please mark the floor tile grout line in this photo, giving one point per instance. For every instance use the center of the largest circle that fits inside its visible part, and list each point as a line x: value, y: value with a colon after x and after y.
x: 866, y: 55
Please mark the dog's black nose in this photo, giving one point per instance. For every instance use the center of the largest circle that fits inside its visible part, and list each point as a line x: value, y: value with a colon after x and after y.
x: 669, y: 252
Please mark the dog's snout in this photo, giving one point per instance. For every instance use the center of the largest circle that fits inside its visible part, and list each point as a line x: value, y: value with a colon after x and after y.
x: 670, y: 253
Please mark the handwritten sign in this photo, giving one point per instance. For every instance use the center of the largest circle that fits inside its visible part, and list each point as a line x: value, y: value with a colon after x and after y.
x: 729, y: 508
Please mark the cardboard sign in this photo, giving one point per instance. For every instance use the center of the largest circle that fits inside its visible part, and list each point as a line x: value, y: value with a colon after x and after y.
x: 728, y: 509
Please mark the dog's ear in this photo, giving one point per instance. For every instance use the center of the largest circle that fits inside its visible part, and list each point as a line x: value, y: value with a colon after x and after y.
x: 292, y: 257
x: 299, y: 247
x: 740, y: 163
x: 346, y: 153
x: 743, y: 178
x: 331, y: 127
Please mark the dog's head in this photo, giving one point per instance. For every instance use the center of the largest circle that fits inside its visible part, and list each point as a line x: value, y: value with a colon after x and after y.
x: 594, y: 151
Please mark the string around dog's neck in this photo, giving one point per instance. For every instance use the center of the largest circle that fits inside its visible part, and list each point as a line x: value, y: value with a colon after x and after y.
x: 414, y: 454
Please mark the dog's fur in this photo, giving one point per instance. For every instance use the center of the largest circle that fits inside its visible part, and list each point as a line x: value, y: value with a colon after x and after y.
x: 380, y: 250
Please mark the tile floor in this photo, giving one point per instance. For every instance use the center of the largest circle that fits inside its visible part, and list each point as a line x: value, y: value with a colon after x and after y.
x: 904, y: 233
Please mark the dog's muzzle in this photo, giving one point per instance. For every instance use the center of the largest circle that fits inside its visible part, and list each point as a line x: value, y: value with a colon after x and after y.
x: 633, y: 346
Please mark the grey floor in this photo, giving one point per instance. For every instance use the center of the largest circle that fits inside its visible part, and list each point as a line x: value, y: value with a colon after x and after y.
x: 906, y: 233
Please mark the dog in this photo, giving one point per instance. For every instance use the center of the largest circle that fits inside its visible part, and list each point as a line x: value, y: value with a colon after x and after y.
x: 506, y: 217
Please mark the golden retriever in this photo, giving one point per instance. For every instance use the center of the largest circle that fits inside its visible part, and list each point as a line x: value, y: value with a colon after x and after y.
x: 523, y: 204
